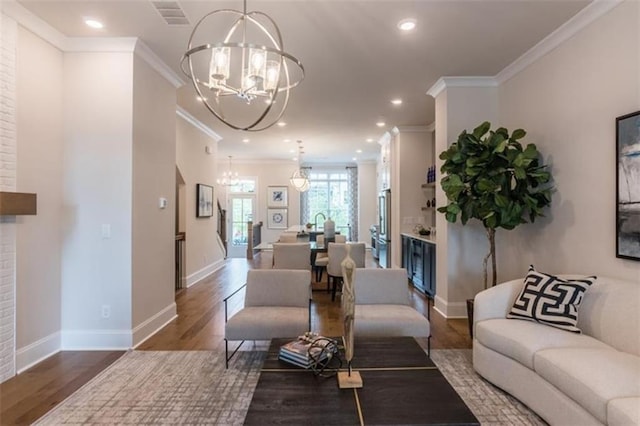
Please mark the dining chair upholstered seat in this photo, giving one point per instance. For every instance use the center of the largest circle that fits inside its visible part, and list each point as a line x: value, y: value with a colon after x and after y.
x: 382, y: 305
x: 276, y: 304
x: 337, y: 252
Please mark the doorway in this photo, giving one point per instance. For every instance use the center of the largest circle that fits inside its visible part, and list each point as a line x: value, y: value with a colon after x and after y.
x: 241, y: 210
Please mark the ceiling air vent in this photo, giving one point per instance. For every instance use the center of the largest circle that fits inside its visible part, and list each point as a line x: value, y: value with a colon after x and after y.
x: 171, y: 12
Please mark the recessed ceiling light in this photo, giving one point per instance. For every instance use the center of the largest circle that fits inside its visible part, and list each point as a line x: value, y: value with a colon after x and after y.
x: 281, y: 123
x: 245, y: 140
x: 287, y: 140
x: 93, y: 23
x: 292, y: 151
x: 396, y: 101
x: 369, y: 140
x: 359, y: 151
x: 295, y: 158
x: 354, y: 159
x: 407, y: 24
x: 380, y: 123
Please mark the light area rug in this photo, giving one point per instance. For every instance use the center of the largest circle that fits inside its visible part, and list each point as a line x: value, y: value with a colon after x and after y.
x: 193, y: 387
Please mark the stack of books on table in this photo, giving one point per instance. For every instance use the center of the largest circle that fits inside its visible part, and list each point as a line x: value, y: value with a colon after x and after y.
x: 305, y: 352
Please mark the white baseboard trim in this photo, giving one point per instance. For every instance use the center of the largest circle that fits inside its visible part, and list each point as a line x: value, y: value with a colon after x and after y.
x: 35, y: 352
x: 152, y: 325
x: 204, y: 272
x: 96, y: 340
x: 450, y: 310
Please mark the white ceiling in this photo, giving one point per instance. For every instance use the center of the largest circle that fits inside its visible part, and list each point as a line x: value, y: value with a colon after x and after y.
x: 356, y: 60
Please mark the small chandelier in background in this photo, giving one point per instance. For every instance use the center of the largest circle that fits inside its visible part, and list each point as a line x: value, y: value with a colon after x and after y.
x: 229, y: 178
x: 242, y: 76
x: 299, y: 178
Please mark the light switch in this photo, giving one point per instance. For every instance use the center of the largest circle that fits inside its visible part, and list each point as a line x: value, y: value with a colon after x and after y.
x: 106, y: 231
x: 163, y: 203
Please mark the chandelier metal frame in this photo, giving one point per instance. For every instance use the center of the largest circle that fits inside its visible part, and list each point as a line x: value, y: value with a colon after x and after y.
x: 217, y: 82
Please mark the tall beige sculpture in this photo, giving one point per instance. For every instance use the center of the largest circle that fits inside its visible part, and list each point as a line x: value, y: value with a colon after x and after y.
x: 349, y: 378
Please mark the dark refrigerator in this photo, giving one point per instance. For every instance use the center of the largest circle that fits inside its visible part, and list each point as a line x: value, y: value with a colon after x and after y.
x: 384, y: 226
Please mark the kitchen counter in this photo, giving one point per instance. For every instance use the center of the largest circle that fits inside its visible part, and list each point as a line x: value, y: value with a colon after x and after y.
x: 426, y: 238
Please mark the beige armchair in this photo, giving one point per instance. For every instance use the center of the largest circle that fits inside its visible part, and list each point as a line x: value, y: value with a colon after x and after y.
x: 382, y: 306
x: 276, y: 304
x: 337, y: 252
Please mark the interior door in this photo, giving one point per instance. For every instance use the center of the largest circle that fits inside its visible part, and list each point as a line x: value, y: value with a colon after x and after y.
x: 241, y: 210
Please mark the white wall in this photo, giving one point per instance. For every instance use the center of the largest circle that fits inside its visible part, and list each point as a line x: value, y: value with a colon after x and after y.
x: 459, y: 249
x: 96, y: 269
x: 154, y: 165
x: 39, y: 170
x: 274, y: 173
x: 367, y: 200
x: 412, y: 153
x: 202, y: 252
x: 568, y: 101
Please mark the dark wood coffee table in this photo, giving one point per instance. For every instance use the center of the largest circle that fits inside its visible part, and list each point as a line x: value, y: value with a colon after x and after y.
x: 401, y: 386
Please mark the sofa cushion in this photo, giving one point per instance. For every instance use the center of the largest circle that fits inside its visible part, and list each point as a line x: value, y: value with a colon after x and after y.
x: 520, y: 340
x: 389, y: 320
x: 550, y: 300
x: 591, y: 377
x: 624, y: 411
x: 265, y: 323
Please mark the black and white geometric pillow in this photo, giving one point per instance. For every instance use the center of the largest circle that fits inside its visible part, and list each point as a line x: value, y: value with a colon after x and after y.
x: 550, y: 300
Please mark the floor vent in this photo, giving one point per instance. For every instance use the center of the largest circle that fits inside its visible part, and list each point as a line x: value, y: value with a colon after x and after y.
x: 171, y: 12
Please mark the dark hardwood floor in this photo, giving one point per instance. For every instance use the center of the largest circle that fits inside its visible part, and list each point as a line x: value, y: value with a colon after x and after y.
x: 199, y: 326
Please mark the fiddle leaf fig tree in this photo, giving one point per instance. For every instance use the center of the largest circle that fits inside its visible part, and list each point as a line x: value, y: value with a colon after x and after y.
x: 491, y: 177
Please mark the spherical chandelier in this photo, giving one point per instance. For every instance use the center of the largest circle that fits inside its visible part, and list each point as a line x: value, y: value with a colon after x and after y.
x: 244, y: 77
x: 299, y: 178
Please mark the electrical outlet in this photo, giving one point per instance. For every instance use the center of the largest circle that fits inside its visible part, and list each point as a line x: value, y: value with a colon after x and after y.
x: 106, y: 311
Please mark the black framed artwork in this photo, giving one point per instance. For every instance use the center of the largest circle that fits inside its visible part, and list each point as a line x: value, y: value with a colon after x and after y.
x: 204, y: 200
x: 628, y: 186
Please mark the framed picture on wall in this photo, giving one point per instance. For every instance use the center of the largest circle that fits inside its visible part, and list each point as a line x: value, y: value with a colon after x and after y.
x: 277, y: 196
x: 628, y: 186
x: 204, y: 200
x: 277, y: 218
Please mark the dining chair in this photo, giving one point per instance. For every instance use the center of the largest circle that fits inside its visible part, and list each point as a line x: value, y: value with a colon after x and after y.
x: 292, y: 256
x: 288, y: 237
x: 322, y: 257
x: 337, y: 252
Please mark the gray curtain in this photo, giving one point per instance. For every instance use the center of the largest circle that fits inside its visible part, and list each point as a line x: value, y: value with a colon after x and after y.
x: 352, y: 173
x: 304, y: 200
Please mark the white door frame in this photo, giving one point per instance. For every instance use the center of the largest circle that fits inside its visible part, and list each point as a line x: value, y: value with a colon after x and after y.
x: 237, y: 250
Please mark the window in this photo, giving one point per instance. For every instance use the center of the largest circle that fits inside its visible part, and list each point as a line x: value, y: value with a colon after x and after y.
x: 245, y: 185
x: 332, y: 194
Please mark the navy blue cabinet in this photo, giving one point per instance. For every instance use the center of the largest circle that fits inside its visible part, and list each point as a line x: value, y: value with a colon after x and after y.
x: 419, y: 259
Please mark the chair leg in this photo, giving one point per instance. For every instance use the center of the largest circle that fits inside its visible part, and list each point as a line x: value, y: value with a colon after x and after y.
x: 228, y: 357
x: 429, y: 346
x: 328, y: 283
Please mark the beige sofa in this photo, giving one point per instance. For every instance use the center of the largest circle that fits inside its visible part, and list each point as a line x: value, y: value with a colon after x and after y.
x: 567, y: 378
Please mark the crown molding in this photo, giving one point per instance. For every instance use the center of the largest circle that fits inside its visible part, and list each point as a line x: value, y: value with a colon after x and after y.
x: 33, y: 23
x: 413, y: 129
x: 100, y: 44
x: 447, y: 82
x: 184, y: 114
x: 45, y: 31
x: 586, y: 16
x: 150, y: 57
x: 431, y: 127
